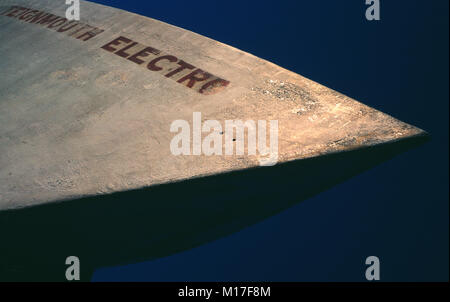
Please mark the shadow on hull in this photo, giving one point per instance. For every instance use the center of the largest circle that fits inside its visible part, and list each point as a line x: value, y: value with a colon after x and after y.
x: 158, y: 221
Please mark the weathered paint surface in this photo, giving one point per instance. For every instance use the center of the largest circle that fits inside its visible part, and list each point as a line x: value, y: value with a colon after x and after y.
x: 83, y: 114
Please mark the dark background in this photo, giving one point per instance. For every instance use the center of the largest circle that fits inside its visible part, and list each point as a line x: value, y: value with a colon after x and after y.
x: 398, y: 211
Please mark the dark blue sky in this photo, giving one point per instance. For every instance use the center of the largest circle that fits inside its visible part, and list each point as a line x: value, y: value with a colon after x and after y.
x: 398, y: 211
